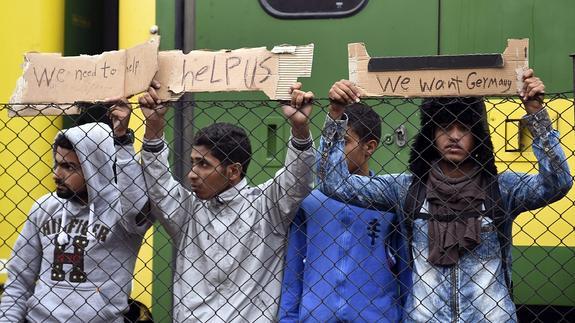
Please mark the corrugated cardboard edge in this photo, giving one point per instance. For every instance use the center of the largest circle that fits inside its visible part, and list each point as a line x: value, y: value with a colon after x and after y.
x: 292, y: 65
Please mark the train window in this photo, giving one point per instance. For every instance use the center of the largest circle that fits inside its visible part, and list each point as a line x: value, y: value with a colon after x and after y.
x: 298, y: 9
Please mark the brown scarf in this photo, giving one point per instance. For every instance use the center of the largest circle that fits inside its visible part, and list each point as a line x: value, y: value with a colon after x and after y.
x: 455, y: 206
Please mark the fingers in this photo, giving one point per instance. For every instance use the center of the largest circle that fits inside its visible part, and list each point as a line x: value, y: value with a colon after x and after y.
x: 295, y: 86
x: 151, y: 98
x: 146, y: 100
x: 532, y: 86
x: 344, y: 92
x: 120, y: 109
x: 528, y: 73
x: 300, y: 98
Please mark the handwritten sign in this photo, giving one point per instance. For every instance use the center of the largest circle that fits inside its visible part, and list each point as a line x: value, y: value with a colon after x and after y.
x: 247, y: 69
x: 462, y: 75
x: 51, y: 78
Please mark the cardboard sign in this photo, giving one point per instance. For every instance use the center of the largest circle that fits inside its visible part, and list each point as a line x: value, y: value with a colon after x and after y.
x: 51, y: 78
x: 424, y: 76
x: 247, y: 69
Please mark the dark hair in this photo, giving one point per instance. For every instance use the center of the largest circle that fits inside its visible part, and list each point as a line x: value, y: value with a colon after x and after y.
x: 62, y: 141
x: 227, y: 142
x: 364, y: 121
x: 93, y: 112
x: 435, y: 112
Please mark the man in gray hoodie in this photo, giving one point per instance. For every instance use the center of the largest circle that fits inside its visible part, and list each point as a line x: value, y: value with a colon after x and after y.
x: 230, y: 238
x: 75, y: 256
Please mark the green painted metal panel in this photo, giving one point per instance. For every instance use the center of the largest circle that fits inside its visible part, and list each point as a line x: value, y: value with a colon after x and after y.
x: 544, y: 275
x: 395, y: 27
x: 469, y: 26
x: 390, y: 27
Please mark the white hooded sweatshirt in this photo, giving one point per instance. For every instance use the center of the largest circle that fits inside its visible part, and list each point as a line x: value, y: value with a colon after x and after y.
x: 74, y: 262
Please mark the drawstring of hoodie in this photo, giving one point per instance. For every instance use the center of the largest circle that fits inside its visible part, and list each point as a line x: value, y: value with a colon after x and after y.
x: 63, y: 236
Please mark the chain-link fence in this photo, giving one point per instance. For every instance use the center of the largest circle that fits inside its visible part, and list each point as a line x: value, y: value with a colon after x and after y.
x: 256, y: 225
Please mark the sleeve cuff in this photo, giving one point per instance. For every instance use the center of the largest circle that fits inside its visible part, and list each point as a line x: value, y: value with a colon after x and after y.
x: 302, y: 144
x: 334, y: 129
x: 539, y: 124
x: 153, y: 145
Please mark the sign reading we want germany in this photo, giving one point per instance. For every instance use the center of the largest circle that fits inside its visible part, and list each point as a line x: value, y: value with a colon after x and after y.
x: 443, y: 75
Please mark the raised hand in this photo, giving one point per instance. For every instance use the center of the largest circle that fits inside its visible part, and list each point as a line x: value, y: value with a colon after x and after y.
x: 532, y: 92
x: 120, y: 114
x: 154, y: 111
x: 341, y: 94
x: 299, y: 110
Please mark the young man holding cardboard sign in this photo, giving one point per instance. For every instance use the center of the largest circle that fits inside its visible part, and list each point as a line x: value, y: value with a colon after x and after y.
x: 230, y: 238
x: 457, y: 210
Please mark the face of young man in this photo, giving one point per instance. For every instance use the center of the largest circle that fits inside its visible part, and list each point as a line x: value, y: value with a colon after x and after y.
x: 68, y: 175
x: 356, y: 154
x: 208, y: 177
x: 454, y: 142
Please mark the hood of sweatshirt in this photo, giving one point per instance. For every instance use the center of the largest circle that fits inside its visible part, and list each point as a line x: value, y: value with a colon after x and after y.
x: 94, y: 145
x: 437, y: 111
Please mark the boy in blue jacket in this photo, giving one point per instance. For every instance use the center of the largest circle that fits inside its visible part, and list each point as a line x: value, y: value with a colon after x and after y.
x: 343, y: 261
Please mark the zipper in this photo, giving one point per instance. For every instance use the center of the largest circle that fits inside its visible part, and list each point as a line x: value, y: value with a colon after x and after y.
x: 346, y: 235
x: 454, y: 298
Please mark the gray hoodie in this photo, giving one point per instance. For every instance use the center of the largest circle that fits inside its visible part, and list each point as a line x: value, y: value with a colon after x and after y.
x: 73, y: 262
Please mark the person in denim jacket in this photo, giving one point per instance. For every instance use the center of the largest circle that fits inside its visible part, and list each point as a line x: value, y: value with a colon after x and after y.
x: 459, y: 222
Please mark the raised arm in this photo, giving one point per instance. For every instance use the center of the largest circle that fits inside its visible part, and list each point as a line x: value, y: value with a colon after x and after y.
x: 292, y: 183
x: 136, y: 218
x: 382, y: 192
x: 527, y: 192
x: 165, y: 193
x: 23, y: 271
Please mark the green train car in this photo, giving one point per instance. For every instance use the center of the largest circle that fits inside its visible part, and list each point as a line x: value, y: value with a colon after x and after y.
x: 544, y: 251
x: 544, y: 269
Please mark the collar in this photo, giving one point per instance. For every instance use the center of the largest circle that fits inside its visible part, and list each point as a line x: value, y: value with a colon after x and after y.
x: 229, y: 195
x: 73, y: 207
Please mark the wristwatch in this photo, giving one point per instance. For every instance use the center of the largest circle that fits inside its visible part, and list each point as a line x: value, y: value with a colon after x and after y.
x: 127, y: 139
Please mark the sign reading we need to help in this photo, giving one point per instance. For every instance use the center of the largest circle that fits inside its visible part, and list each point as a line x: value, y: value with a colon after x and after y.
x: 454, y: 75
x: 51, y: 78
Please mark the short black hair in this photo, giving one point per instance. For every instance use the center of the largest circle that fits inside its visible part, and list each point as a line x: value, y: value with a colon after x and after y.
x: 227, y: 142
x: 93, y: 112
x: 62, y: 141
x: 364, y: 121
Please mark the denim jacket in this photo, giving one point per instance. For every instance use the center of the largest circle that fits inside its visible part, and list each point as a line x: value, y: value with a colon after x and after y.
x: 474, y: 289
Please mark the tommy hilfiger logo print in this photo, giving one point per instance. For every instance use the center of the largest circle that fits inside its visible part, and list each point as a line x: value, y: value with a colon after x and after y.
x: 76, y: 259
x: 373, y: 230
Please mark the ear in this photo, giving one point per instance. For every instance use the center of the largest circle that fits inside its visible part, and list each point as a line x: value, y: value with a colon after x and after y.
x: 370, y: 147
x: 234, y: 172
